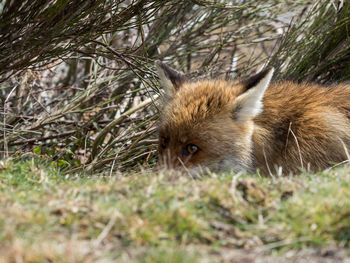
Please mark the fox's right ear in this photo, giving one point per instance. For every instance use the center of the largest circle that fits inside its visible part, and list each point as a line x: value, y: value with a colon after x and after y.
x: 249, y: 104
x: 170, y: 79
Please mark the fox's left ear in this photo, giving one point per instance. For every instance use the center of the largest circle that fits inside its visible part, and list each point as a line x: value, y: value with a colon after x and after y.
x: 170, y: 79
x: 249, y: 104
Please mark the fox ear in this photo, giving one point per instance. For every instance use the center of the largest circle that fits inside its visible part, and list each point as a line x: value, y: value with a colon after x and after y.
x: 170, y: 79
x: 249, y: 104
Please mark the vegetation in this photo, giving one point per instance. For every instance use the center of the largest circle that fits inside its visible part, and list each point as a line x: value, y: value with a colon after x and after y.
x: 79, y: 108
x: 79, y: 84
x: 77, y: 80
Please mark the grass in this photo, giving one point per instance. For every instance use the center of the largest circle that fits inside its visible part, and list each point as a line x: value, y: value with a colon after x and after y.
x: 46, y: 216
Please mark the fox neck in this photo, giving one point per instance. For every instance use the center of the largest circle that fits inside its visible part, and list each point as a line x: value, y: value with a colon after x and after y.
x: 260, y: 150
x: 244, y: 148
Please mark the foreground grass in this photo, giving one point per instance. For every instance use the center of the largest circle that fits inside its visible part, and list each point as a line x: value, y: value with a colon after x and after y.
x: 49, y: 217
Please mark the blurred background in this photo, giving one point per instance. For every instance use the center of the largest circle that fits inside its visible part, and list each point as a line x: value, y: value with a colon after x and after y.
x: 78, y: 85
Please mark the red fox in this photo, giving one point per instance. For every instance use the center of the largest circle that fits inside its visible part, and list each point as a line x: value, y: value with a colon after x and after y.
x: 252, y: 124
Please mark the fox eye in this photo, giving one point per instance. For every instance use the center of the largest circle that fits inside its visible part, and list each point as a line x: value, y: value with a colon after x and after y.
x: 190, y: 149
x: 163, y: 142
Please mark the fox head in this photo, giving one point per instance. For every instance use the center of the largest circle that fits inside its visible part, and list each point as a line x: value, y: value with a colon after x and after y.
x: 209, y: 123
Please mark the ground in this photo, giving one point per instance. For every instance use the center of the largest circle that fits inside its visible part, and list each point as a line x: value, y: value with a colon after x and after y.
x: 148, y: 216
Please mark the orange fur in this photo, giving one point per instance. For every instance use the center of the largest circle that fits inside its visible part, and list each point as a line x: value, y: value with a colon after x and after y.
x: 300, y: 126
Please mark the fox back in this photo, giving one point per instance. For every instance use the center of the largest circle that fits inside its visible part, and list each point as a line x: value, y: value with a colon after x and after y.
x: 252, y: 124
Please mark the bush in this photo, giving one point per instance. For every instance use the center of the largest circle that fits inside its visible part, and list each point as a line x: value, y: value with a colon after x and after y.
x: 78, y: 85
